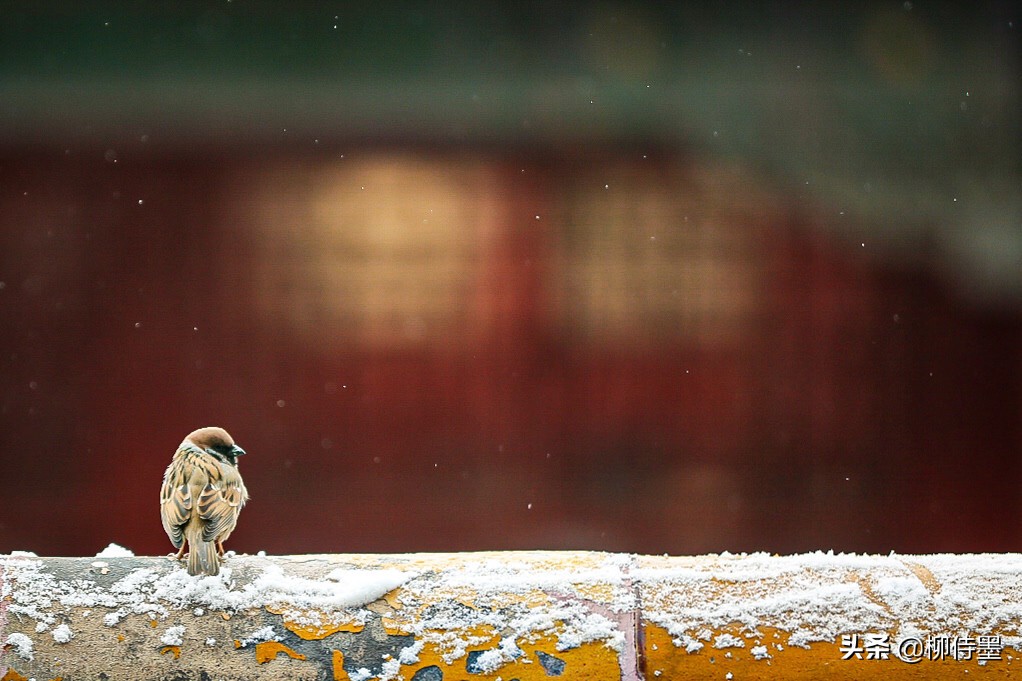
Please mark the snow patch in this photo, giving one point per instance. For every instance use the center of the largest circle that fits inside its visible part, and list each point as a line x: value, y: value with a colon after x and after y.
x: 63, y: 634
x: 115, y: 551
x: 361, y: 674
x: 521, y: 598
x: 155, y: 592
x: 390, y: 670
x: 410, y: 654
x: 817, y: 596
x: 728, y: 641
x: 174, y: 636
x: 806, y: 598
x: 690, y: 644
x: 22, y: 645
x: 267, y: 633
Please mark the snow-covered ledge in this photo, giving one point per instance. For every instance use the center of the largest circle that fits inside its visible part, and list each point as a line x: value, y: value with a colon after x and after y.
x: 511, y: 615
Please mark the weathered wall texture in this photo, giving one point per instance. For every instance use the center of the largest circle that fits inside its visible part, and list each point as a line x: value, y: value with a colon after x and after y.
x: 517, y: 615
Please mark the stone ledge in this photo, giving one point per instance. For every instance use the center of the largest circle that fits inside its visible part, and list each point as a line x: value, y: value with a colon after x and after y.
x: 511, y: 615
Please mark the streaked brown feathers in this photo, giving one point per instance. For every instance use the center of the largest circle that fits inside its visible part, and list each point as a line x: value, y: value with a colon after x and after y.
x: 202, y: 496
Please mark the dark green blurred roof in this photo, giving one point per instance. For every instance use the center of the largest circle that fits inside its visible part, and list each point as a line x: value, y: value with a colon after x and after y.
x: 480, y: 69
x: 905, y: 114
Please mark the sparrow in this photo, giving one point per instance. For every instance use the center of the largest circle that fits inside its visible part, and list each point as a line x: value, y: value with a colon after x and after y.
x: 201, y: 497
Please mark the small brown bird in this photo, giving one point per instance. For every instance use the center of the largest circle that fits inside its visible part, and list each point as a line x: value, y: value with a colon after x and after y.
x: 202, y: 496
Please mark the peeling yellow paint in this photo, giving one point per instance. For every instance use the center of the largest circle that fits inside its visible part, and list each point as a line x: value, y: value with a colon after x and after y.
x: 533, y: 598
x: 601, y: 592
x: 822, y: 659
x: 338, y: 666
x: 402, y: 622
x: 171, y: 649
x: 153, y: 624
x: 395, y: 627
x: 268, y: 650
x: 924, y: 575
x: 12, y: 675
x: 313, y: 625
x: 469, y: 597
x: 120, y: 638
x: 316, y: 633
x: 391, y: 597
x: 589, y: 661
x: 460, y: 595
x: 237, y: 643
x: 866, y: 587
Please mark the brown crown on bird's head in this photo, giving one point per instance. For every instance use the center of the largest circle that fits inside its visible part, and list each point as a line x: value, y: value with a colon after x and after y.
x: 216, y: 442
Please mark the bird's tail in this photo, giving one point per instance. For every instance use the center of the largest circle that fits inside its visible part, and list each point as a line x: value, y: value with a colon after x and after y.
x: 203, y: 558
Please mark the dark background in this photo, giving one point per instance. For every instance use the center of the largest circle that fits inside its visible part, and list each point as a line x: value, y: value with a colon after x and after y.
x: 636, y: 277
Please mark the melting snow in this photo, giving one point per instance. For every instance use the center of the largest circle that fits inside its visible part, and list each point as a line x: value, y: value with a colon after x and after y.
x: 21, y: 644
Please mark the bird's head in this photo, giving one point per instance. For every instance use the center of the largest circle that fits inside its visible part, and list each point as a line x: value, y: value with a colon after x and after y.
x: 216, y: 442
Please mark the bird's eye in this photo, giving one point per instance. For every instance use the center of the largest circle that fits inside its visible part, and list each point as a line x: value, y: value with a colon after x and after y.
x: 226, y: 451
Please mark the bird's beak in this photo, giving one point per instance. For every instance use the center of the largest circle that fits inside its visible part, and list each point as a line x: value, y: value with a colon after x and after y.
x: 237, y: 451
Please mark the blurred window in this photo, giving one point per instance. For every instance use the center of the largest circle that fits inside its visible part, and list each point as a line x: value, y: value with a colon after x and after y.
x: 382, y: 252
x: 652, y: 254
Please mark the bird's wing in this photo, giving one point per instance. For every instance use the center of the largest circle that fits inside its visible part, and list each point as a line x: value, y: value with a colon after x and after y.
x: 219, y: 504
x: 175, y: 501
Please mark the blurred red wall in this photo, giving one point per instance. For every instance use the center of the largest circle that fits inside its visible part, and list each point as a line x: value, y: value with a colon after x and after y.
x: 599, y: 350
